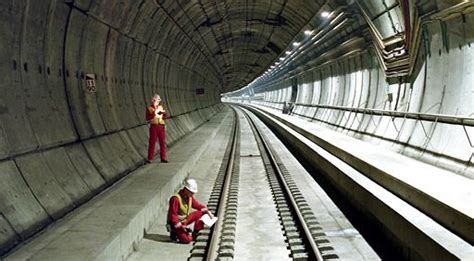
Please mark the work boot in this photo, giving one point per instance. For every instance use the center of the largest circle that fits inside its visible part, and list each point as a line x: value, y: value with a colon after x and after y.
x: 195, y: 234
x: 173, y: 236
x: 164, y: 161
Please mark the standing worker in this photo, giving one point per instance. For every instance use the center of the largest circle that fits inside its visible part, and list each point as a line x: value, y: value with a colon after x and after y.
x: 179, y: 216
x: 156, y: 115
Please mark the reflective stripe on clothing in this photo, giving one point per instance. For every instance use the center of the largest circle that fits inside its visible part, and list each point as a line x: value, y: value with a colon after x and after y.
x: 158, y: 119
x: 183, y: 211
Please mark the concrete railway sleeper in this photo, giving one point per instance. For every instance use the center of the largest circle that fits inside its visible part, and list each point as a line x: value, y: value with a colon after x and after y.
x: 302, y: 235
x: 301, y: 228
x: 218, y: 240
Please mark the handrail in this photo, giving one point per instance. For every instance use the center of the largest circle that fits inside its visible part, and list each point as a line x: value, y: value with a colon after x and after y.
x: 441, y: 118
x: 434, y: 117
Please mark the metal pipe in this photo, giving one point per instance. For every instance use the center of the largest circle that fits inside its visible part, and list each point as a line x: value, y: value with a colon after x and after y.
x: 441, y: 118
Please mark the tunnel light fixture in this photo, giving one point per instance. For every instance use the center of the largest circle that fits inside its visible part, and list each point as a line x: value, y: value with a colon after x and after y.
x: 309, y: 32
x: 296, y: 44
x: 325, y: 14
x: 281, y: 58
x: 287, y: 52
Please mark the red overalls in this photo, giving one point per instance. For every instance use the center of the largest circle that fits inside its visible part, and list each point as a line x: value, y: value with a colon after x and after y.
x: 157, y: 131
x: 178, y: 220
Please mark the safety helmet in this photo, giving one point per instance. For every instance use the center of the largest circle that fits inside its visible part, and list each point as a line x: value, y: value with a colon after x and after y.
x: 191, y: 185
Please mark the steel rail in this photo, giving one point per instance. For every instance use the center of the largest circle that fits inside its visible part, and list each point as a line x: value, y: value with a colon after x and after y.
x: 212, y: 251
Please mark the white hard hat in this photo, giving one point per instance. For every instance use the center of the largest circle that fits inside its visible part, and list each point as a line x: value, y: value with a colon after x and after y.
x: 191, y: 185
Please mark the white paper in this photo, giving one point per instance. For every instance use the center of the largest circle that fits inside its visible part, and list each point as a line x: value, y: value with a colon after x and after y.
x: 208, y: 220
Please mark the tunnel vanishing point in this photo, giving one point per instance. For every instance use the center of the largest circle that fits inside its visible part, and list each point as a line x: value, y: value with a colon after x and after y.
x: 77, y: 75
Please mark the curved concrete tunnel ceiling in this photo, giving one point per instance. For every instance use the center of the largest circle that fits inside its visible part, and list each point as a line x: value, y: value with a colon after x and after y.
x: 61, y: 141
x: 395, y: 68
x: 134, y: 48
x: 238, y: 38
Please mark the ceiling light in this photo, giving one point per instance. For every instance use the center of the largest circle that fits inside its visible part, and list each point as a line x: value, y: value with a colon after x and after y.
x: 288, y: 52
x: 281, y: 58
x: 325, y: 14
x: 296, y: 44
x: 308, y: 32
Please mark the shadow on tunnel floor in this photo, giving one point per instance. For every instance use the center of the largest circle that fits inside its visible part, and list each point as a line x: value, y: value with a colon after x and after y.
x: 158, y: 238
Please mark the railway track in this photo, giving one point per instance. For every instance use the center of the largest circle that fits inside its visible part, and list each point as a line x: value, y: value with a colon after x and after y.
x: 303, y: 236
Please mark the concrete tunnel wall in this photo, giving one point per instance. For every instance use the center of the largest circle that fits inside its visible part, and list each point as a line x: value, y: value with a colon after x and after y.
x: 442, y: 85
x: 60, y: 144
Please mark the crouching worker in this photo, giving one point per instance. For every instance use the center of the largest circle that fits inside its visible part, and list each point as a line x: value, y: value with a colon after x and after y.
x: 180, y: 215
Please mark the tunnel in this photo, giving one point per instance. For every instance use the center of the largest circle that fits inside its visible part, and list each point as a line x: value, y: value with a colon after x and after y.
x: 79, y: 75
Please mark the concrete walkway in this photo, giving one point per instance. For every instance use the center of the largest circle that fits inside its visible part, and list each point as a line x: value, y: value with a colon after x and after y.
x: 426, y: 178
x: 156, y: 244
x: 404, y: 185
x: 108, y: 226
